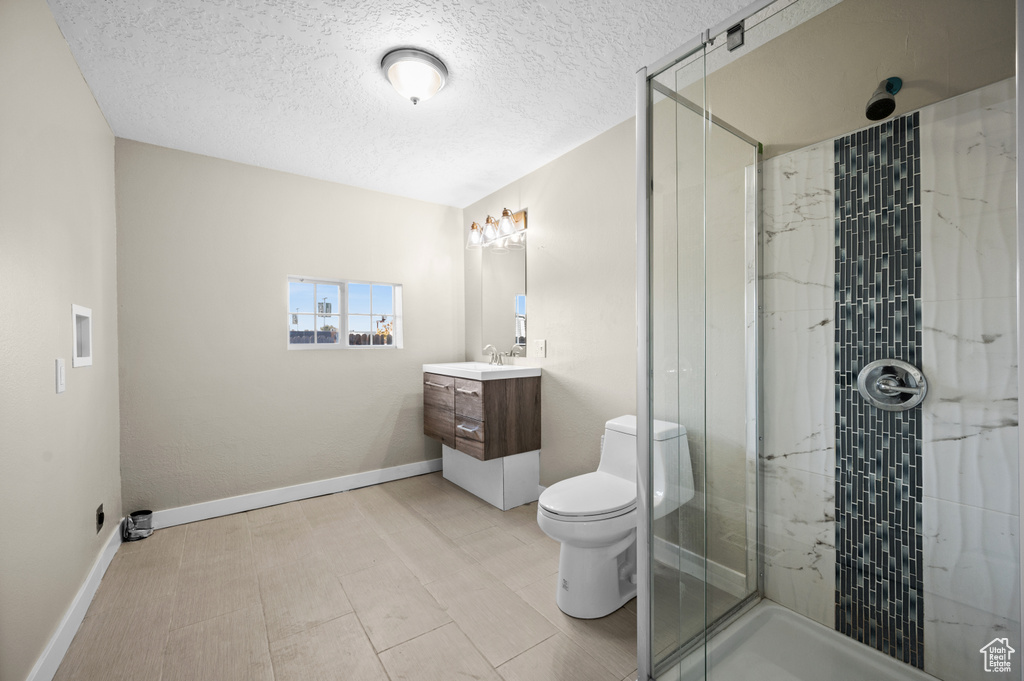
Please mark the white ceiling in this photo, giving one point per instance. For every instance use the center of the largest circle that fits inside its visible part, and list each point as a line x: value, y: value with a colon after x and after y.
x: 295, y: 85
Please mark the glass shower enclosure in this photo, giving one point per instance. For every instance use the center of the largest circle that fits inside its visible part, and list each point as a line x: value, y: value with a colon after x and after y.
x: 785, y: 243
x: 704, y: 293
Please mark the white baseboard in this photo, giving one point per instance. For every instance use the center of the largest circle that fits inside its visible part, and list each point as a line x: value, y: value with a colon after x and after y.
x: 719, y: 576
x: 282, y: 495
x: 47, y: 664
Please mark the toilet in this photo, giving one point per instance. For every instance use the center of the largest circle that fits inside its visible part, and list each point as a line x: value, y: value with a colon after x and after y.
x: 593, y: 516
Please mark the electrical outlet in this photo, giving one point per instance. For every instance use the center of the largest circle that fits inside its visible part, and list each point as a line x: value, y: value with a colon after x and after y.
x: 99, y: 518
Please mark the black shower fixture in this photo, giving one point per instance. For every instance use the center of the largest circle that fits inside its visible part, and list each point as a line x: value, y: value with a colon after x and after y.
x: 883, y: 101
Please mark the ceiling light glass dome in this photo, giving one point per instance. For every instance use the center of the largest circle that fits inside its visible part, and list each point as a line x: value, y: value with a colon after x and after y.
x: 415, y: 74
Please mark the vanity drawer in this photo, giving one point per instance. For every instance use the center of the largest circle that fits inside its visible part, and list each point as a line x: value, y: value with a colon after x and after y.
x: 438, y: 391
x: 469, y: 429
x: 439, y: 423
x: 469, y: 437
x: 469, y: 399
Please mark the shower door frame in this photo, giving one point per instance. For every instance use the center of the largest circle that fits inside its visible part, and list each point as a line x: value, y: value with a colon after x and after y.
x: 752, y: 309
x: 1020, y: 306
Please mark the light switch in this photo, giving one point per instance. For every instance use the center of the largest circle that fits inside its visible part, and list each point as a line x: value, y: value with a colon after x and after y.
x: 60, y: 375
x: 540, y: 348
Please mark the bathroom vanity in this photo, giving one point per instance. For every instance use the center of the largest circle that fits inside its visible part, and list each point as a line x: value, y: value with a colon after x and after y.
x: 487, y: 418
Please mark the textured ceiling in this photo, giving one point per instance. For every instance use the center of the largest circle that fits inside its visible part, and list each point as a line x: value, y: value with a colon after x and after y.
x: 295, y: 85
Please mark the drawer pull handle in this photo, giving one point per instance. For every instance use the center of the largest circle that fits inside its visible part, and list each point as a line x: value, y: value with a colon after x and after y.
x: 468, y: 430
x: 435, y: 385
x: 465, y: 391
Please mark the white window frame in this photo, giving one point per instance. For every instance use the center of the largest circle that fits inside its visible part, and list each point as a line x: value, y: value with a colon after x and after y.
x: 396, y: 303
x: 342, y: 297
x: 343, y: 284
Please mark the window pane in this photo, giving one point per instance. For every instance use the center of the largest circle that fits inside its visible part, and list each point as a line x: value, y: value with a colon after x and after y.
x: 327, y: 299
x: 383, y: 300
x: 383, y: 328
x: 359, y: 330
x: 301, y: 296
x: 327, y: 329
x: 359, y: 323
x: 359, y: 298
x: 300, y: 328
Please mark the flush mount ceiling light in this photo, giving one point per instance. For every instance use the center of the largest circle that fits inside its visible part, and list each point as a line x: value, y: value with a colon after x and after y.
x: 417, y: 75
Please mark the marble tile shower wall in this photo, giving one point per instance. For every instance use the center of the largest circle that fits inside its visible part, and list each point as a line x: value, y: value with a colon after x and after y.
x: 969, y: 423
x: 969, y: 428
x: 798, y: 252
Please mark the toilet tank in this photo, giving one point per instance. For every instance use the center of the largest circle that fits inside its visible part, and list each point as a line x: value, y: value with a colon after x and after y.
x: 671, y: 466
x: 618, y: 448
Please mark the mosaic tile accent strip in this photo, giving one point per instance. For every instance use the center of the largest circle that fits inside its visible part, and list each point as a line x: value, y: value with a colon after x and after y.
x: 878, y: 598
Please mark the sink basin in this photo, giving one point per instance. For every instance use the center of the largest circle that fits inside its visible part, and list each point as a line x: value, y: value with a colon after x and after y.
x: 481, y: 371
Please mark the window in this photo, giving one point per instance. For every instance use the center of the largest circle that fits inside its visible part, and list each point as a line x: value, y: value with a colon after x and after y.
x: 324, y: 313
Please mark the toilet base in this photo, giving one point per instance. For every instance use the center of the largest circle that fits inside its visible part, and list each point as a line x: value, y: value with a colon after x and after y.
x: 595, y: 582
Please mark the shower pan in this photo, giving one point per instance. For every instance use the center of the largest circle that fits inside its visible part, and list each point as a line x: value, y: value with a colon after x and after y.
x: 827, y: 301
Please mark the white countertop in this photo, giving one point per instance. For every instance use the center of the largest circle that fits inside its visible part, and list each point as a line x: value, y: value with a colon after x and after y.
x: 481, y: 371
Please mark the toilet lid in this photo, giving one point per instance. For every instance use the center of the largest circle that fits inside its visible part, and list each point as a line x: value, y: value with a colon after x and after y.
x: 591, y: 494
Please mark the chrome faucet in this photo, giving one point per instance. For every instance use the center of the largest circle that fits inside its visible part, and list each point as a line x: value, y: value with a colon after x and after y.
x: 517, y: 350
x: 495, y: 355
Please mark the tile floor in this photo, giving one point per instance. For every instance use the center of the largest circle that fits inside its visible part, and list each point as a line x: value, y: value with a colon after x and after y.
x: 413, y: 579
x: 680, y: 603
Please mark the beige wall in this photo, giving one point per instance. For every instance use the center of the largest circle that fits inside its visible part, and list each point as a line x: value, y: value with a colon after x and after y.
x: 59, y: 453
x: 580, y: 292
x: 214, y: 404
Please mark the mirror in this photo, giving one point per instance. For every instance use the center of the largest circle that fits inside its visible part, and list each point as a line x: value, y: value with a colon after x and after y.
x: 503, y: 299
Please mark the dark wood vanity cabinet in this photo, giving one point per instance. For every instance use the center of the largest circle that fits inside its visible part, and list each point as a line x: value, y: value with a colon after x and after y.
x: 485, y: 419
x: 439, y: 408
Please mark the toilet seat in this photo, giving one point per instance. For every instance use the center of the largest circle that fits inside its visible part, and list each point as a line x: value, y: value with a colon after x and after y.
x: 588, y: 497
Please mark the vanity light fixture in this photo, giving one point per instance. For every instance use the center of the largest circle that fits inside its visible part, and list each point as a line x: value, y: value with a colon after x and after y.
x: 505, y: 234
x: 490, y: 233
x: 475, y: 237
x: 415, y: 74
x: 506, y: 224
x: 512, y: 230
